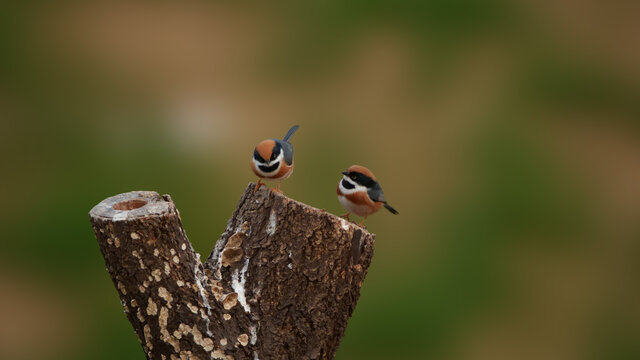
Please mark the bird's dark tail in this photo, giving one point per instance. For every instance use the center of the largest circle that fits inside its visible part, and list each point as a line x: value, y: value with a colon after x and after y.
x: 290, y: 133
x: 392, y: 210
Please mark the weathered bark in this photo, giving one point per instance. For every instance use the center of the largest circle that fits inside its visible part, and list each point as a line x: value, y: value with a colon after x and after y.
x: 281, y: 282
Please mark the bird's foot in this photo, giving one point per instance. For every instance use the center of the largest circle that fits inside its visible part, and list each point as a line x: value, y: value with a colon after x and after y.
x: 277, y: 189
x: 257, y: 185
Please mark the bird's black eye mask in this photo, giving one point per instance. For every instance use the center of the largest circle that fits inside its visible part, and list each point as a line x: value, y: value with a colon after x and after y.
x: 347, y: 185
x: 274, y: 154
x: 361, y: 179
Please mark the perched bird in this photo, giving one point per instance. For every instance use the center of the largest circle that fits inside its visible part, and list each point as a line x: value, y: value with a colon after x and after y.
x: 273, y: 159
x: 359, y: 193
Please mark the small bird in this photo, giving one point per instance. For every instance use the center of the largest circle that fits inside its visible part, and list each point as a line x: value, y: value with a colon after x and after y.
x: 359, y: 193
x: 273, y: 159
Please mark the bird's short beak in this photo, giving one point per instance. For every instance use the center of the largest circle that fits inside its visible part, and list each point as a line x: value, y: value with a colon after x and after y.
x: 345, y: 173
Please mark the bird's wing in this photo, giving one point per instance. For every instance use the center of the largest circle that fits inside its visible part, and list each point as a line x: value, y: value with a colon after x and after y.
x: 287, y: 149
x: 376, y: 194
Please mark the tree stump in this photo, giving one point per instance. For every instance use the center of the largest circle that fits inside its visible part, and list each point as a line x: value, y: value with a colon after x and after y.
x: 280, y: 283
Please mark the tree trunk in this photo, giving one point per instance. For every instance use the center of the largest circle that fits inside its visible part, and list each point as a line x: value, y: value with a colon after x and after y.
x: 281, y: 282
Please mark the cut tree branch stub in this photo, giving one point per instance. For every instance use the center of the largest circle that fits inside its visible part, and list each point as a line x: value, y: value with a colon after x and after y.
x: 281, y: 282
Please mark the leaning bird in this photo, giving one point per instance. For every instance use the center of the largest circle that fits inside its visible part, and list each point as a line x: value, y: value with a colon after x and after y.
x: 359, y: 193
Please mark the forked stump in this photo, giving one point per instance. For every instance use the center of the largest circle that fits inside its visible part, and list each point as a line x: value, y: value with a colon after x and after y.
x: 281, y: 282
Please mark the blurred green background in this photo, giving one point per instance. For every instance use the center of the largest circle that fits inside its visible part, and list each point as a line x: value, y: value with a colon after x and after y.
x: 506, y: 134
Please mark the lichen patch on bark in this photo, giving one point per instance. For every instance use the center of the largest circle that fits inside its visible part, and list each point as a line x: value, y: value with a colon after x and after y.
x: 147, y: 337
x: 152, y: 309
x: 122, y: 289
x: 163, y: 293
x: 243, y: 339
x: 229, y: 301
x: 193, y: 308
x: 163, y: 319
x: 157, y: 274
x: 140, y: 316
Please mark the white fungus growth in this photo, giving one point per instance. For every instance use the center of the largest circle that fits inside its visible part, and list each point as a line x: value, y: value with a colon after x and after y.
x: 345, y: 226
x: 218, y: 274
x: 254, y: 334
x: 271, y: 227
x: 242, y: 227
x: 176, y: 259
x: 237, y: 283
x: 135, y: 236
x: 199, y: 276
x: 183, y: 247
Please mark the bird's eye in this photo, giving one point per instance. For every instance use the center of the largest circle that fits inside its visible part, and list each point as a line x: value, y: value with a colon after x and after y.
x: 273, y: 156
x: 352, y: 176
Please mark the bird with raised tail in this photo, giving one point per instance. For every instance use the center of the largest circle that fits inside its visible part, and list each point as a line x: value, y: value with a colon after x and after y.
x: 360, y: 193
x: 273, y: 159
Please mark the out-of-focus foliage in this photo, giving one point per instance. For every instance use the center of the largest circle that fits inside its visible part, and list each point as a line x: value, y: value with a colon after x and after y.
x: 505, y: 133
